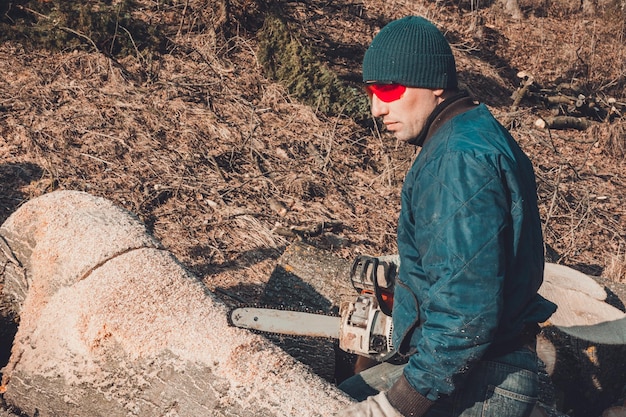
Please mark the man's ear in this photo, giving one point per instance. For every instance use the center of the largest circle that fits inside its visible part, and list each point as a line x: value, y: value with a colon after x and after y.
x: 439, y: 94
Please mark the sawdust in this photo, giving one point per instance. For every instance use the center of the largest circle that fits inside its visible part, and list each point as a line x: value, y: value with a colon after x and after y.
x: 133, y: 315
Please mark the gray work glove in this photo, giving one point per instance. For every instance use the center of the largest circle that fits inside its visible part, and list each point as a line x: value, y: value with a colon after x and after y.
x: 374, y: 406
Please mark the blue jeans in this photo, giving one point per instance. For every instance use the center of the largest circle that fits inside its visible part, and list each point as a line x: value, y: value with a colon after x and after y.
x: 504, y: 386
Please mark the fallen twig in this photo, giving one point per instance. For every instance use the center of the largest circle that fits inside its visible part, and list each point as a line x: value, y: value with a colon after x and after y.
x: 563, y: 122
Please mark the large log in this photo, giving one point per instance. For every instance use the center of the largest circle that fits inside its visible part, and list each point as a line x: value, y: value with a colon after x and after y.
x: 309, y: 278
x: 110, y: 324
x: 583, y: 344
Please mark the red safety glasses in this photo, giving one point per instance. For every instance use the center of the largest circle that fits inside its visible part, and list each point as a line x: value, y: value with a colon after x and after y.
x: 386, y: 92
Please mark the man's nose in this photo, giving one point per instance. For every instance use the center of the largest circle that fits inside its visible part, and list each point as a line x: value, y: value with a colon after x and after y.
x: 378, y: 107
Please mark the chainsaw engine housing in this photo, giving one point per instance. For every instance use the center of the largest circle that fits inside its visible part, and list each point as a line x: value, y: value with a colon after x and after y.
x: 365, y: 329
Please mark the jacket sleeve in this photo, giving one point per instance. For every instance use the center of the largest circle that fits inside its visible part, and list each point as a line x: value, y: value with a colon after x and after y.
x: 452, y: 241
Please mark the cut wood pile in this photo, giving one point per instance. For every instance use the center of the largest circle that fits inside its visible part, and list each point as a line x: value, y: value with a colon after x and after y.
x: 569, y: 106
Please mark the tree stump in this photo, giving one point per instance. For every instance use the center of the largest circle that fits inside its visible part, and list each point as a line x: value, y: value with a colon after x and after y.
x: 110, y: 324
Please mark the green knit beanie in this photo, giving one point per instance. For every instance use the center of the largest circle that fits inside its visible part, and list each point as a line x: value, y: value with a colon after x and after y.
x: 410, y: 51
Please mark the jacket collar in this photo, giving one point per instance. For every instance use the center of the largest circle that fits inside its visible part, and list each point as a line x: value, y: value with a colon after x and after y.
x: 445, y: 111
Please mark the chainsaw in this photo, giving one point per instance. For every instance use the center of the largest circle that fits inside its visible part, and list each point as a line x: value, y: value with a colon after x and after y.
x: 364, y: 326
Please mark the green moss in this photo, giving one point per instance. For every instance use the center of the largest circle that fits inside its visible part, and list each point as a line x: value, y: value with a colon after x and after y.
x: 61, y: 24
x: 287, y: 60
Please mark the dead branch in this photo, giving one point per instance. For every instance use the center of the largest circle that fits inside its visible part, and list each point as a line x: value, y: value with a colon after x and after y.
x: 563, y: 122
x: 560, y: 100
x: 554, y: 198
x: 305, y: 231
x: 521, y: 92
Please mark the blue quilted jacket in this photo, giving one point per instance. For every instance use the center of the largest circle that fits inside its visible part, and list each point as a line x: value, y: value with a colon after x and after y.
x: 471, y: 251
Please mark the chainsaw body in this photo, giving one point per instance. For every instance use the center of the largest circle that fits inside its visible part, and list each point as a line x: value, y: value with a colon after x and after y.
x: 365, y: 330
x: 366, y: 324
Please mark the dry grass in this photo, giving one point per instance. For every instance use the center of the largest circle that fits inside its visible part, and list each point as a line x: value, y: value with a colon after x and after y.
x: 220, y: 161
x: 616, y: 267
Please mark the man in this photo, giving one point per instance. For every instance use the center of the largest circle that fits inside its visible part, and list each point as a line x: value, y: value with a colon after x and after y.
x: 466, y: 308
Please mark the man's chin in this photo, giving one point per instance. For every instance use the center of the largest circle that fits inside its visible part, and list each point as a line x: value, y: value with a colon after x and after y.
x: 401, y: 135
x: 402, y: 138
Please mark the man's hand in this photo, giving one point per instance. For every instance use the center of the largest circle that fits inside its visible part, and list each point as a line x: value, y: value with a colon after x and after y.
x: 374, y: 406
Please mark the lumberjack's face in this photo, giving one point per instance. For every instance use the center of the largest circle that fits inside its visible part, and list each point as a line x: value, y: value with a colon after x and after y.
x: 406, y: 116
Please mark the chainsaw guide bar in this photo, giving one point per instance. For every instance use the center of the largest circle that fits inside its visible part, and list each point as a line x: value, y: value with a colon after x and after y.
x: 286, y: 322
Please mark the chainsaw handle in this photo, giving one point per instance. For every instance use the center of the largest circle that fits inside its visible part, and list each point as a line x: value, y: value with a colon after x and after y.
x: 368, y: 279
x: 385, y: 300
